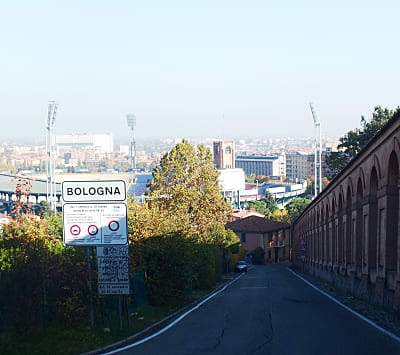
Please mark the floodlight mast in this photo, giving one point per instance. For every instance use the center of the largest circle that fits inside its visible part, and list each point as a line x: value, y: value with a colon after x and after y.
x: 131, y: 119
x: 317, y: 151
x: 51, y: 156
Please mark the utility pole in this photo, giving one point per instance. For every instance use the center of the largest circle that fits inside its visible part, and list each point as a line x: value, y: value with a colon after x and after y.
x: 131, y: 119
x: 317, y: 151
x: 51, y: 156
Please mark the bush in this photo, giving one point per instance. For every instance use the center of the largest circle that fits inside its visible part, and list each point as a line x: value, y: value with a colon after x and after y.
x: 40, y: 281
x: 258, y: 256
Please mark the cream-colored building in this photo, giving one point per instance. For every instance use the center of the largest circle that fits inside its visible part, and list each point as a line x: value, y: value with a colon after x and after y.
x: 299, y: 165
x: 104, y: 143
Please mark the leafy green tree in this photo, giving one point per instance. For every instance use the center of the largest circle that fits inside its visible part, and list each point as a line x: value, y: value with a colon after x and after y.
x: 296, y: 206
x: 355, y: 140
x: 265, y: 206
x: 281, y: 216
x: 44, y: 209
x: 259, y: 206
x: 270, y: 202
x: 186, y: 184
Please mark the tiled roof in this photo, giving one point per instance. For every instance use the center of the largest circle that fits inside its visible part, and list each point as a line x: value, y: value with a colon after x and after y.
x: 256, y: 224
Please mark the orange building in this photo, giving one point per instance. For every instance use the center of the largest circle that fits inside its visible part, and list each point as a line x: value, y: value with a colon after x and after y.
x: 272, y: 236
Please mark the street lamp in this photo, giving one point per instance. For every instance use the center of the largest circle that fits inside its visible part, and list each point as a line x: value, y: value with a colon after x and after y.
x: 131, y: 120
x: 257, y: 190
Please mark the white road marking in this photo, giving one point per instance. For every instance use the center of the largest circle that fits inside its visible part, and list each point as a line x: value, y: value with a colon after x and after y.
x: 176, y: 321
x: 370, y: 322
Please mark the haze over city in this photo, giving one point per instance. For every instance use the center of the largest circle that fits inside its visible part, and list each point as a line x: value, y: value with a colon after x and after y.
x: 226, y: 69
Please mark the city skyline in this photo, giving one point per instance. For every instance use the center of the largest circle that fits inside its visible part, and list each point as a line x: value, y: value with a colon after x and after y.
x: 225, y: 69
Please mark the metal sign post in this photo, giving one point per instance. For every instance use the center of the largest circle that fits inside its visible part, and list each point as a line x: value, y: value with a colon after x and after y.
x: 95, y: 214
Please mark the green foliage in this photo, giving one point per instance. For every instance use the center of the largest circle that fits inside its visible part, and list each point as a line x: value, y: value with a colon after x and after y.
x: 258, y: 256
x: 250, y: 178
x: 296, y: 206
x: 55, y: 225
x: 44, y: 209
x: 259, y: 206
x: 218, y: 235
x: 270, y: 202
x: 281, y: 216
x: 175, y: 264
x: 25, y: 258
x: 355, y: 140
x: 175, y: 257
x: 265, y: 206
x: 186, y: 185
x: 41, y: 282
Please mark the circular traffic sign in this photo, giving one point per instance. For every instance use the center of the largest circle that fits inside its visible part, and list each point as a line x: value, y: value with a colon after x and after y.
x: 75, y: 230
x: 113, y: 225
x: 92, y: 230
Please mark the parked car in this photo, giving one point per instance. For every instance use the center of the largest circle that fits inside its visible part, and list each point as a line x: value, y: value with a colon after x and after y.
x: 241, y: 266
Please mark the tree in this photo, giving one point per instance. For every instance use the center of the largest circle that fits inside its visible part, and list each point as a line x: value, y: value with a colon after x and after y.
x: 44, y: 209
x: 265, y: 206
x: 259, y: 206
x: 186, y: 184
x: 281, y: 216
x: 296, y: 206
x: 355, y: 140
x: 270, y: 202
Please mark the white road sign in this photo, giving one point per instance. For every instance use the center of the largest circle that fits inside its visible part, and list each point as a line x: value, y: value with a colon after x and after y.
x: 91, y: 224
x: 113, y: 270
x: 85, y: 191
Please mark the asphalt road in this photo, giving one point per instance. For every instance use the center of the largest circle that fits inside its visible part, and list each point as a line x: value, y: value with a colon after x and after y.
x: 270, y: 311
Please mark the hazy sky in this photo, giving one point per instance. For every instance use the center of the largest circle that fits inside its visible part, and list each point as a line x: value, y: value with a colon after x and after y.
x: 196, y: 68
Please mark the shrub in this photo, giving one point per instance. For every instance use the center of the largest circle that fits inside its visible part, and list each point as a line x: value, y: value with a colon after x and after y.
x: 258, y: 256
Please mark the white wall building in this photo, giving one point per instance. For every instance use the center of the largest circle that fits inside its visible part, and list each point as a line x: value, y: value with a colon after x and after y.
x: 104, y: 143
x: 298, y: 165
x: 231, y: 179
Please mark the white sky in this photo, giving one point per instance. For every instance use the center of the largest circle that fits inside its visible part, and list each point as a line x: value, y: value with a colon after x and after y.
x: 196, y: 68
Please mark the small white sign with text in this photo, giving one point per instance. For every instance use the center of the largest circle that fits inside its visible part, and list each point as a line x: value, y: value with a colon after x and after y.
x: 92, y: 224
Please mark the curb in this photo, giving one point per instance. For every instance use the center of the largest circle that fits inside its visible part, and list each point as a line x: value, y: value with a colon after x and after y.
x: 156, y: 326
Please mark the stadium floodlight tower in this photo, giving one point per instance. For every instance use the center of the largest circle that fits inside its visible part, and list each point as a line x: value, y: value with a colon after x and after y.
x: 317, y: 151
x: 131, y: 119
x: 51, y: 156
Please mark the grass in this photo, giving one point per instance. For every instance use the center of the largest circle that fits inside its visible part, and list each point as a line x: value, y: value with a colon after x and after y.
x: 77, y: 340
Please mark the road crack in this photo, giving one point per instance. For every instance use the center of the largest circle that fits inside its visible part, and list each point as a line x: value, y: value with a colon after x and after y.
x: 269, y: 336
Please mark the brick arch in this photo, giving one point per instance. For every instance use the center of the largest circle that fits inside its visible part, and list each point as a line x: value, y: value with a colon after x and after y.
x: 340, y: 232
x: 396, y: 144
x: 333, y: 204
x: 372, y: 242
x: 327, y: 233
x: 361, y: 176
x: 377, y: 166
x: 317, y: 236
x: 347, y: 225
x: 334, y: 231
x: 392, y: 218
x: 358, y: 243
x: 349, y: 185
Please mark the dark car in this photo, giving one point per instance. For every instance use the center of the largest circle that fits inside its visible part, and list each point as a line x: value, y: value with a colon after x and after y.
x: 241, y: 266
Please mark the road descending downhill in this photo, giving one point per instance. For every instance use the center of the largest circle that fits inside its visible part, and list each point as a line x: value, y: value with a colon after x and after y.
x: 269, y: 311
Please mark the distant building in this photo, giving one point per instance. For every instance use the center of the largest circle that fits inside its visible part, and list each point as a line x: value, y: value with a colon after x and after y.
x: 299, y: 165
x: 261, y: 165
x: 224, y: 155
x: 104, y: 143
x: 272, y: 236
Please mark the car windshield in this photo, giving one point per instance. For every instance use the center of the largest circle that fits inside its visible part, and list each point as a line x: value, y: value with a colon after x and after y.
x: 242, y: 263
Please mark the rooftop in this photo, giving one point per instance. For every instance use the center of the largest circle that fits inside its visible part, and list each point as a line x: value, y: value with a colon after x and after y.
x: 256, y: 224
